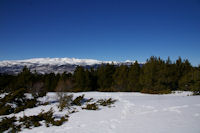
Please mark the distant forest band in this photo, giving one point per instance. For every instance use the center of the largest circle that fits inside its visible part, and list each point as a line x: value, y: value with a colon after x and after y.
x: 155, y: 76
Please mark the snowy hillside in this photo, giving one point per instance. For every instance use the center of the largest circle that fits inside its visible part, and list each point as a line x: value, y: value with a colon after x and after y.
x: 132, y: 113
x: 48, y: 65
x: 53, y: 61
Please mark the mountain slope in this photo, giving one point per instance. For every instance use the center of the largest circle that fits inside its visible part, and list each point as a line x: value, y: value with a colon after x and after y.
x: 48, y: 65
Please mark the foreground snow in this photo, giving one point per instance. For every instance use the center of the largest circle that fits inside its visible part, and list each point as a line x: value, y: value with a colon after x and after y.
x: 133, y: 113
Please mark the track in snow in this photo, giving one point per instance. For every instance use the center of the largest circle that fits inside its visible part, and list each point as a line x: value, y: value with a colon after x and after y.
x: 133, y: 113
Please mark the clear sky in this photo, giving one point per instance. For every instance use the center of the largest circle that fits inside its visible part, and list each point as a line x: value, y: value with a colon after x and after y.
x: 100, y: 29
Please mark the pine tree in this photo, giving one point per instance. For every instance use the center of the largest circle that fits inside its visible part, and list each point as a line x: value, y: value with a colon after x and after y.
x: 80, y: 78
x: 105, y: 77
x: 134, y: 77
x: 24, y: 79
x: 120, y: 79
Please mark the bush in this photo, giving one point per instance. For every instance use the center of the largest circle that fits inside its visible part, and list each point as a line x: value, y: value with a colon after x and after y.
x: 78, y: 101
x: 106, y: 102
x: 64, y: 100
x: 196, y: 91
x: 92, y: 106
x: 89, y: 100
x: 8, y: 123
x: 61, y: 121
x: 34, y: 121
x: 30, y: 103
x: 150, y: 91
x: 6, y: 109
x: 18, y: 99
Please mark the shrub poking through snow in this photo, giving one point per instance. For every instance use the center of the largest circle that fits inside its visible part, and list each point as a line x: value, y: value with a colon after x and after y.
x: 48, y: 118
x: 34, y: 121
x: 106, y: 102
x: 92, y: 106
x: 61, y: 121
x: 64, y: 101
x: 196, y: 91
x: 89, y: 100
x: 8, y: 124
x: 5, y: 110
x: 78, y: 100
x: 102, y: 102
x: 16, y: 101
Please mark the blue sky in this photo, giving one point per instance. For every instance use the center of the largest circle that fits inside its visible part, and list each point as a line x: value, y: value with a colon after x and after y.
x: 100, y: 29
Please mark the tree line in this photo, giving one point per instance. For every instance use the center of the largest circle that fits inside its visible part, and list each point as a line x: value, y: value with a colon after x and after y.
x: 155, y: 76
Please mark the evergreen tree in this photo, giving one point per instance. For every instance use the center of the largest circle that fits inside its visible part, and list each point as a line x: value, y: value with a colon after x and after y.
x: 148, y: 77
x: 80, y: 78
x: 134, y: 77
x: 105, y: 77
x: 50, y: 82
x: 120, y: 79
x: 24, y: 79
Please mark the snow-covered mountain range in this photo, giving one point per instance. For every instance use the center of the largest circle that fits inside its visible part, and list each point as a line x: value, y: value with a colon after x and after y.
x: 48, y: 65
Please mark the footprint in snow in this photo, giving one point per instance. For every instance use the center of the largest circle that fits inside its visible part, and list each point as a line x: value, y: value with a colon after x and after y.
x: 196, y: 114
x: 197, y: 105
x: 82, y: 125
x: 115, y: 120
x: 103, y: 122
x: 175, y: 108
x: 112, y: 126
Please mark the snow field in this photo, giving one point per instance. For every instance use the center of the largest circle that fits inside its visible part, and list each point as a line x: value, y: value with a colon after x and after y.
x: 132, y: 113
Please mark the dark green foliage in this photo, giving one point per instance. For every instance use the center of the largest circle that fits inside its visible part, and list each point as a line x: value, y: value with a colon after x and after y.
x: 196, y: 92
x: 120, y: 78
x: 7, y: 82
x: 84, y: 79
x: 24, y: 79
x: 155, y: 76
x: 18, y: 99
x: 151, y: 72
x: 88, y: 100
x: 191, y: 81
x: 31, y: 121
x: 29, y: 103
x: 134, y: 78
x: 64, y: 100
x: 78, y: 100
x: 61, y: 121
x: 105, y: 77
x: 7, y: 123
x: 106, y: 102
x: 92, y: 106
x: 5, y: 110
x: 102, y: 102
x: 80, y: 78
x: 158, y: 76
x: 34, y: 121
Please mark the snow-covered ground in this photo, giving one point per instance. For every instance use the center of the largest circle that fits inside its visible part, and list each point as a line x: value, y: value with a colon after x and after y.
x: 132, y: 113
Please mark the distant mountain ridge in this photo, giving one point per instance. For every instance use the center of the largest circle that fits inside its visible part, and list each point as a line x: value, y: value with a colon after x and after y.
x: 49, y: 65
